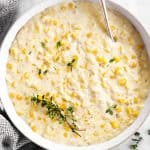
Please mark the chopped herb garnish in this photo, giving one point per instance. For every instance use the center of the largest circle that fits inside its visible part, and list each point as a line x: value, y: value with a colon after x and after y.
x: 39, y: 72
x: 58, y: 44
x: 115, y: 38
x: 55, y: 112
x: 42, y: 72
x: 110, y: 109
x: 43, y: 45
x: 70, y: 64
x: 45, y: 72
x: 136, y: 141
x: 30, y: 53
x: 112, y: 60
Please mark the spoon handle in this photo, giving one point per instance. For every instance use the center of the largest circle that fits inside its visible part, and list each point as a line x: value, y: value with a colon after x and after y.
x: 103, y: 2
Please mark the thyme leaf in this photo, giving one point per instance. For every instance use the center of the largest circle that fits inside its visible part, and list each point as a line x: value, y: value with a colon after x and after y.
x: 58, y: 44
x: 43, y: 45
x: 110, y: 109
x: 112, y: 60
x: 70, y: 64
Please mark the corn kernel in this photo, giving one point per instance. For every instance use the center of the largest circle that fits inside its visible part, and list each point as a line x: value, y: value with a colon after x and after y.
x: 118, y: 71
x: 119, y: 109
x: 120, y: 48
x: 26, y: 75
x: 13, y: 51
x: 13, y: 84
x: 122, y: 101
x: 113, y: 27
x: 63, y: 105
x: 46, y: 40
x: 11, y: 95
x: 73, y: 95
x: 122, y: 82
x: 132, y: 111
x: 37, y: 28
x: 63, y: 8
x: 65, y: 134
x: 18, y: 97
x: 117, y: 59
x: 114, y: 124
x: 34, y: 128
x: 104, y: 74
x: 41, y: 76
x: 106, y: 50
x: 64, y: 43
x: 112, y: 76
x: 135, y: 113
x: 31, y: 114
x: 103, y: 125
x: 129, y: 110
x: 136, y: 100
x: 55, y: 38
x: 19, y: 113
x: 125, y: 58
x: 66, y: 127
x: 71, y: 5
x: 76, y: 136
x: 103, y: 84
x: 40, y: 97
x: 55, y: 22
x: 89, y: 35
x: 76, y: 104
x: 24, y: 51
x: 133, y: 56
x: 74, y: 36
x: 101, y: 60
x: 9, y: 66
x: 133, y: 65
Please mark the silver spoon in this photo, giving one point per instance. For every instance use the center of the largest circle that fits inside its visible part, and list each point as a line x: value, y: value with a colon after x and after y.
x: 103, y: 2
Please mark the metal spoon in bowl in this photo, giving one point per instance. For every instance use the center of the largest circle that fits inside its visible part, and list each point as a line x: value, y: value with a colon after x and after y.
x: 103, y: 2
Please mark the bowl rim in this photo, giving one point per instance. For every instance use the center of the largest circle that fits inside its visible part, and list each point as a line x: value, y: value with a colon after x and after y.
x: 21, y: 125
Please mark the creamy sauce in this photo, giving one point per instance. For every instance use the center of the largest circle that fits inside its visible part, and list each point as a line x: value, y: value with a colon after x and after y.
x: 107, y: 84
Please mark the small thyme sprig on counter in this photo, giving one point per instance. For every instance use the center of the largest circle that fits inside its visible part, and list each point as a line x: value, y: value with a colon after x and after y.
x: 138, y: 138
x: 57, y: 113
x: 148, y: 132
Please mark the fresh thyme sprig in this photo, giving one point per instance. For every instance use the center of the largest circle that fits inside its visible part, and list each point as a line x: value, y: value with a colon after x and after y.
x: 57, y: 113
x: 138, y: 138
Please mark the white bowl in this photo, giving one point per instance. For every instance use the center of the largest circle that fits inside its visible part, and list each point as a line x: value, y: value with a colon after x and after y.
x: 21, y: 125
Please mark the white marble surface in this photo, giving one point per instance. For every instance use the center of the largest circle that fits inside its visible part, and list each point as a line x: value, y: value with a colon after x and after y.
x: 141, y: 9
